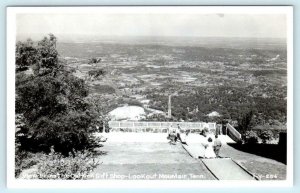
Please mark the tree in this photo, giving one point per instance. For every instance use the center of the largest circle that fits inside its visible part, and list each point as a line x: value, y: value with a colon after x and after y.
x: 51, y: 100
x: 244, y: 125
x: 266, y: 135
x: 26, y: 55
x: 245, y: 121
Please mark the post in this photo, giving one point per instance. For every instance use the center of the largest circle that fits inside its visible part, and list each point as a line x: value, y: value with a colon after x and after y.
x: 169, y: 107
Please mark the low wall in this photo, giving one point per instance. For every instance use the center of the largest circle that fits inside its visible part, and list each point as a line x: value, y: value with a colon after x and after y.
x: 158, y: 127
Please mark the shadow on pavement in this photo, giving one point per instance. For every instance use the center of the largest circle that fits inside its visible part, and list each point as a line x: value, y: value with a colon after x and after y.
x: 271, y: 151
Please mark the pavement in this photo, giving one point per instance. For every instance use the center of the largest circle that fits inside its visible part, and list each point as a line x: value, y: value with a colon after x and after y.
x: 227, y: 169
x: 148, y: 160
x: 150, y: 153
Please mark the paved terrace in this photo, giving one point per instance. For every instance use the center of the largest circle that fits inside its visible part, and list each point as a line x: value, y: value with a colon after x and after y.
x: 149, y: 156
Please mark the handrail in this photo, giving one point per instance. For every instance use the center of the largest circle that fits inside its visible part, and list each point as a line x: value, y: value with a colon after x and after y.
x: 233, y: 133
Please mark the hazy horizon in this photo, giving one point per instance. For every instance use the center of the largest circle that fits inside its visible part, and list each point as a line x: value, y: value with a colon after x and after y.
x: 97, y: 25
x: 146, y: 39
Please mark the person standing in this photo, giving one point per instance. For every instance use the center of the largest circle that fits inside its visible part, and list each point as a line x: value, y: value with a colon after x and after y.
x: 178, y: 133
x: 217, y: 145
x: 185, y: 136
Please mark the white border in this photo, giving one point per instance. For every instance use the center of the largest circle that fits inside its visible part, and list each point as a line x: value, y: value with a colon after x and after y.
x: 11, y: 40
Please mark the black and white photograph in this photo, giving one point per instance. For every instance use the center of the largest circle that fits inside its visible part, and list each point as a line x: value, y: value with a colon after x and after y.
x: 138, y: 96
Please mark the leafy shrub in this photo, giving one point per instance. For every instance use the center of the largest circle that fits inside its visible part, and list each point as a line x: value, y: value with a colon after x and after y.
x: 266, y: 135
x: 250, y: 137
x: 24, y: 160
x: 56, y: 166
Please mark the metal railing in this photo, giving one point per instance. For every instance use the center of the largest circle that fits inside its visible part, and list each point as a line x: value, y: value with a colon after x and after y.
x: 134, y: 126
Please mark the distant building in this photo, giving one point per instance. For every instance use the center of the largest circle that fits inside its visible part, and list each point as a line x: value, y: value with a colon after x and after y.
x: 214, y: 114
x: 127, y: 113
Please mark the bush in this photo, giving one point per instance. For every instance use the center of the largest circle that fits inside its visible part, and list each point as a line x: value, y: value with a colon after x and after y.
x: 266, y: 135
x: 24, y: 160
x: 56, y: 166
x: 250, y: 137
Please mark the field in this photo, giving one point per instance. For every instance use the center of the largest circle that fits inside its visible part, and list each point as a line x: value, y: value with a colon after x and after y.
x: 229, y: 76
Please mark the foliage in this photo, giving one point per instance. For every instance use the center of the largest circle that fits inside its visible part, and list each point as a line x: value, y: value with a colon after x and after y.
x: 26, y: 55
x: 244, y: 123
x: 24, y: 160
x: 266, y: 135
x: 96, y: 73
x: 231, y: 102
x: 101, y: 106
x: 100, y: 88
x: 47, y: 56
x: 94, y: 60
x: 52, y: 102
x: 134, y: 102
x: 156, y: 117
x: 57, y: 166
x: 250, y: 137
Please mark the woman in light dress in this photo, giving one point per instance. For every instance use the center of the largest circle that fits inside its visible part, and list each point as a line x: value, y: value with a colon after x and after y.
x: 209, y: 149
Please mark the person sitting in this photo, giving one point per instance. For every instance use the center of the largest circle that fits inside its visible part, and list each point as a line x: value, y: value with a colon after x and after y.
x: 204, y: 132
x: 172, y: 135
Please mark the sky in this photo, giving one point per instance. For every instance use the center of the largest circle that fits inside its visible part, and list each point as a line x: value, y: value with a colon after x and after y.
x: 200, y: 25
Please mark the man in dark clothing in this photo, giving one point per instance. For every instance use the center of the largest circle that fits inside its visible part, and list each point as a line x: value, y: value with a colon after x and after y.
x: 178, y: 133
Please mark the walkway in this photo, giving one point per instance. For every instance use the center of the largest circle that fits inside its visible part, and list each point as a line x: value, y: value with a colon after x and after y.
x: 148, y: 160
x: 221, y: 168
